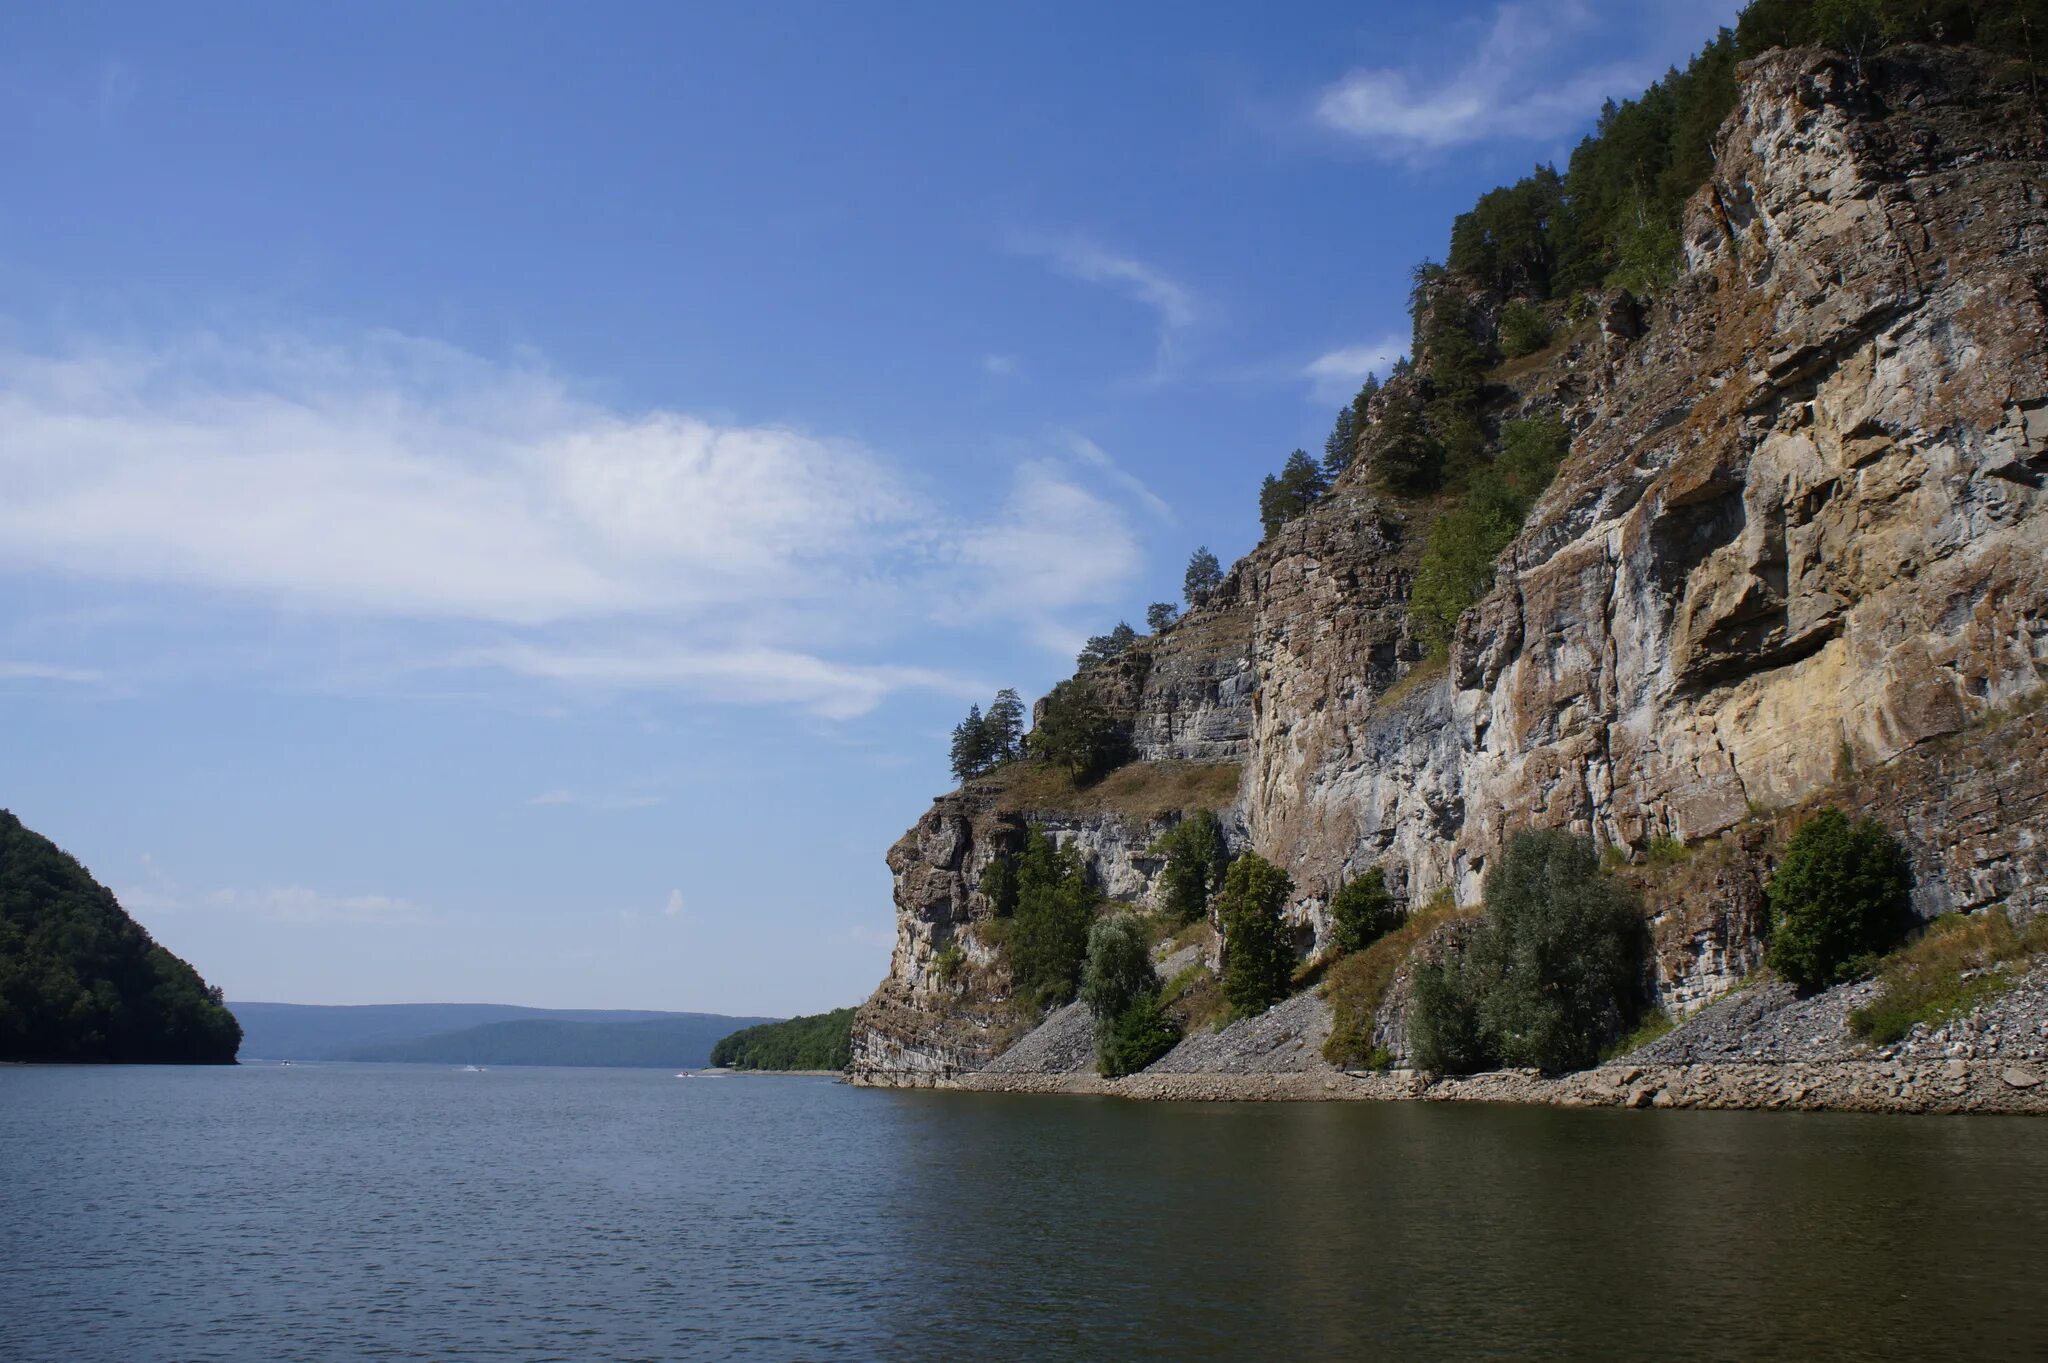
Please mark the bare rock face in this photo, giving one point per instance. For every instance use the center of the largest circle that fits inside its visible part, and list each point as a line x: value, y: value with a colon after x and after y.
x: 945, y: 1008
x: 1800, y: 532
x: 1796, y: 553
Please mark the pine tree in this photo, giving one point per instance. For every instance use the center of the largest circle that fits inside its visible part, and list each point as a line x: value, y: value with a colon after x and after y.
x: 1294, y: 490
x: 1337, y: 450
x: 1003, y: 727
x: 1103, y: 647
x: 970, y: 745
x: 1203, y: 577
x: 1160, y: 615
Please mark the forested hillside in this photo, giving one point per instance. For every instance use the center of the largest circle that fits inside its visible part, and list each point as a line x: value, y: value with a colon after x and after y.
x: 817, y: 1041
x: 82, y: 981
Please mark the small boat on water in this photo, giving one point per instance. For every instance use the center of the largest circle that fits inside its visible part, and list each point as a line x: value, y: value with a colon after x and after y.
x: 472, y: 1069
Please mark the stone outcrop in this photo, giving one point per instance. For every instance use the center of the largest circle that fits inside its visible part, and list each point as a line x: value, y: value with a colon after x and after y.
x: 945, y: 1007
x: 1795, y: 554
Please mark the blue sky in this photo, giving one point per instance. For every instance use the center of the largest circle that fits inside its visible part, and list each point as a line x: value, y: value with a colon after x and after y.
x: 505, y: 502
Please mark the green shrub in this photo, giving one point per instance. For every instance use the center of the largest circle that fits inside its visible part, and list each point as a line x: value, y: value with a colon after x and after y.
x: 1364, y: 911
x: 1553, y: 972
x: 1655, y: 1023
x: 1076, y: 733
x: 1357, y: 984
x: 1466, y: 542
x: 1118, y: 968
x: 948, y: 960
x: 1136, y: 1037
x: 1046, y: 943
x: 1952, y: 969
x: 1664, y: 850
x: 1257, y: 962
x: 1523, y: 329
x: 1195, y: 862
x: 1839, y: 900
x: 1444, y: 1031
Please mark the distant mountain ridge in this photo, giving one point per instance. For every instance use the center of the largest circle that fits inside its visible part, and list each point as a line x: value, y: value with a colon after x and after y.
x: 481, y: 1033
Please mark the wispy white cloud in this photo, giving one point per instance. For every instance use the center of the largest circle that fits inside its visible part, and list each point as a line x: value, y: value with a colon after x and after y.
x: 743, y: 676
x: 1054, y: 547
x: 114, y: 91
x: 397, y: 480
x: 674, y: 907
x: 1335, y: 375
x: 999, y: 366
x: 612, y: 801
x: 1098, y: 458
x: 1509, y: 88
x: 298, y: 904
x: 1174, y: 305
x: 24, y: 671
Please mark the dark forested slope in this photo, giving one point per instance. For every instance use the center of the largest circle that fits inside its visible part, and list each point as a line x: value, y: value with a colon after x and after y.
x: 818, y: 1041
x: 82, y: 981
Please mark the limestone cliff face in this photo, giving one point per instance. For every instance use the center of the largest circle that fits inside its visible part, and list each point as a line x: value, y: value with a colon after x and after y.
x: 1799, y: 549
x: 945, y: 1007
x: 1800, y: 533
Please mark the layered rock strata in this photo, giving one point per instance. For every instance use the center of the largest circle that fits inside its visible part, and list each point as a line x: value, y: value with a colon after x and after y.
x: 1796, y: 554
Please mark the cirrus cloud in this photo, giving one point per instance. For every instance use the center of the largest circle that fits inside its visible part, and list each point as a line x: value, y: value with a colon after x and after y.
x: 513, y: 525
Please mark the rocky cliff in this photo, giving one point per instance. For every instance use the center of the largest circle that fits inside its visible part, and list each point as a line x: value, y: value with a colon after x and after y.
x: 1796, y: 552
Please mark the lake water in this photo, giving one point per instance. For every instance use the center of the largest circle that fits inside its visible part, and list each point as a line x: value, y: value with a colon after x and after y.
x: 339, y: 1212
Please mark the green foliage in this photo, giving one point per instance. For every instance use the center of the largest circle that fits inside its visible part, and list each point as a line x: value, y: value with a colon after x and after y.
x: 81, y: 981
x: 1076, y: 733
x: 817, y: 1041
x: 1444, y: 1031
x: 1466, y: 542
x: 1341, y: 444
x: 1118, y: 968
x: 1839, y: 899
x: 949, y: 960
x: 1863, y: 28
x: 1103, y: 647
x: 1954, y: 967
x: 1506, y: 240
x: 1003, y: 726
x: 1046, y: 943
x: 1454, y: 381
x: 1357, y: 984
x: 1664, y: 850
x: 1524, y: 329
x: 999, y: 886
x: 1297, y: 487
x: 1135, y: 1037
x: 1654, y: 1024
x: 1121, y: 990
x: 970, y: 744
x: 1160, y: 615
x: 1257, y: 960
x: 1204, y: 576
x: 1553, y: 971
x: 982, y: 743
x: 1406, y: 457
x: 1364, y: 911
x: 1196, y: 860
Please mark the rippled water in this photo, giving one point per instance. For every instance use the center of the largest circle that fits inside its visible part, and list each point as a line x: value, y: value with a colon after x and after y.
x: 343, y: 1212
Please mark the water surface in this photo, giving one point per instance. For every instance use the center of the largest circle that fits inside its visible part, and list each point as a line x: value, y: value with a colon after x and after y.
x: 411, y: 1212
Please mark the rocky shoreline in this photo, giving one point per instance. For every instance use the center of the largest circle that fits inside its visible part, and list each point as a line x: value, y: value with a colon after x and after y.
x: 1897, y: 1086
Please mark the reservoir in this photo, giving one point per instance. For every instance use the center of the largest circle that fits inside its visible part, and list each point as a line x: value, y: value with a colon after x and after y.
x: 323, y: 1212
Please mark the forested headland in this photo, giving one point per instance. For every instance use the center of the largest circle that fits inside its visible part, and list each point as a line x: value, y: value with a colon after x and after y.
x: 81, y: 981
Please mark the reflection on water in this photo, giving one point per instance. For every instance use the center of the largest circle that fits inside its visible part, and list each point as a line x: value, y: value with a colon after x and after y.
x: 330, y: 1212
